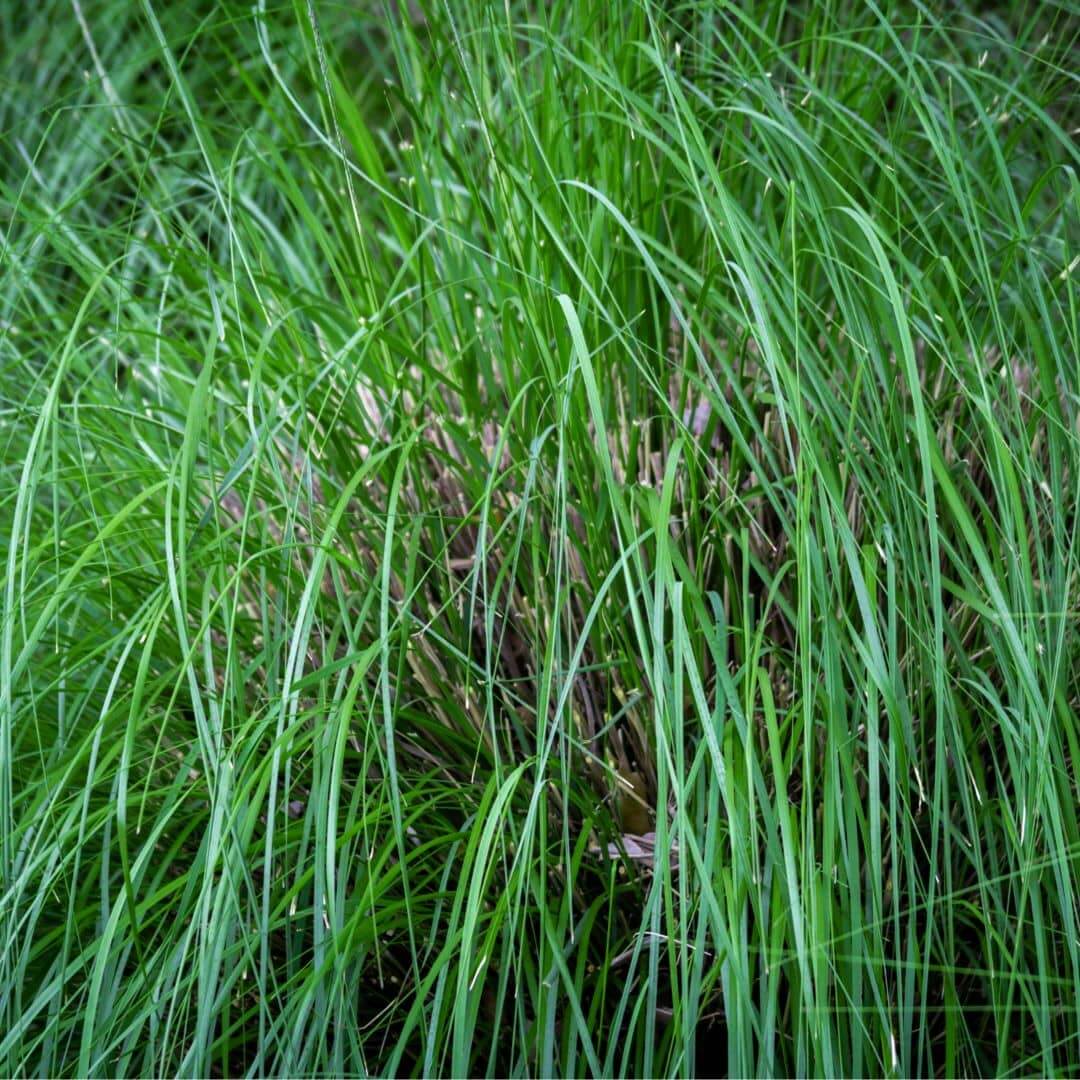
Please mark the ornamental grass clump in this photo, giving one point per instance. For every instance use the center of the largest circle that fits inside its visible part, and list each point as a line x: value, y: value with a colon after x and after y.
x: 539, y: 539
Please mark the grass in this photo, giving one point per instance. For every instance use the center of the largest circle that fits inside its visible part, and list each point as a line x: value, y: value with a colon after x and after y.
x: 539, y: 539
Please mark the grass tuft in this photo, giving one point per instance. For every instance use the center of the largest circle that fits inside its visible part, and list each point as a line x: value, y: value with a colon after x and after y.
x: 539, y: 539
